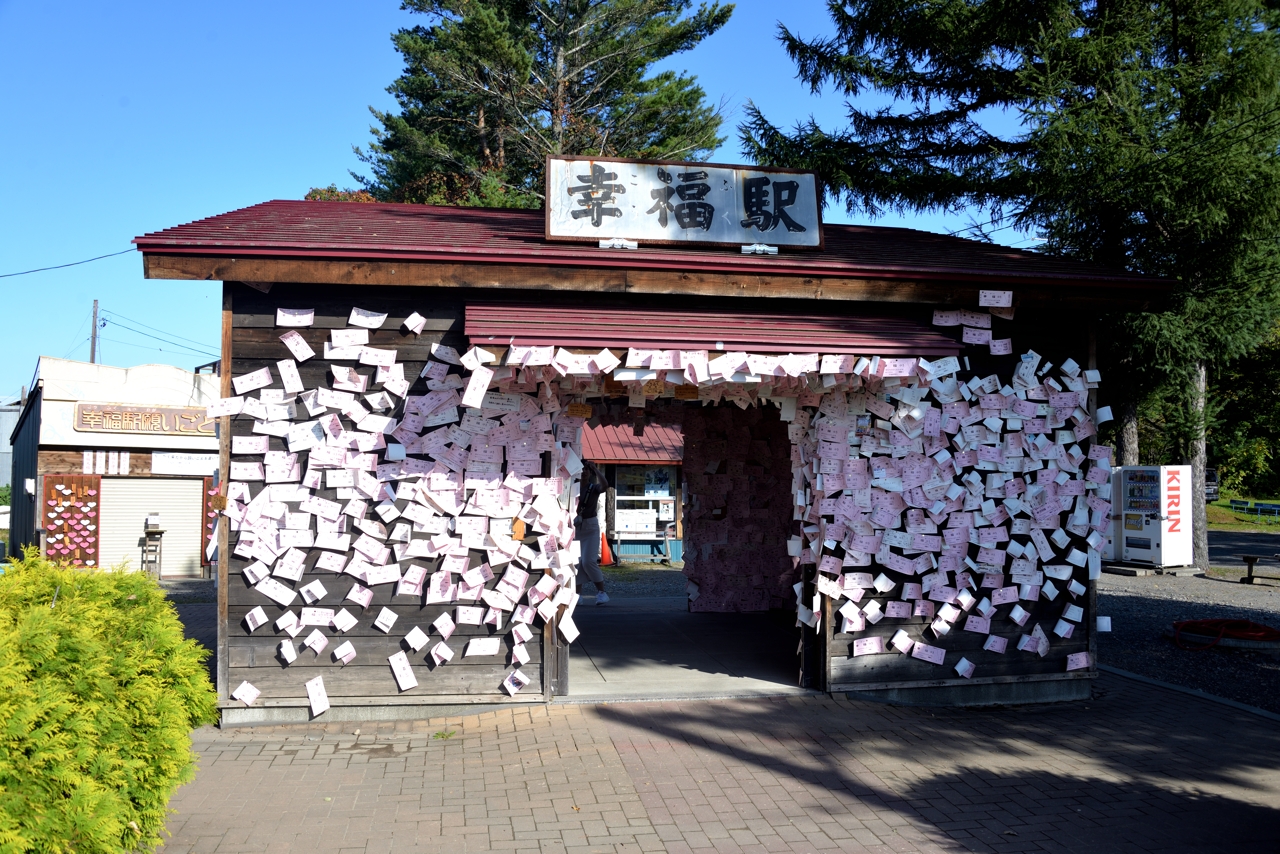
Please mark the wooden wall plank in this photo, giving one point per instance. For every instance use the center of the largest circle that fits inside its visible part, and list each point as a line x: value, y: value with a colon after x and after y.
x: 488, y: 277
x: 288, y: 682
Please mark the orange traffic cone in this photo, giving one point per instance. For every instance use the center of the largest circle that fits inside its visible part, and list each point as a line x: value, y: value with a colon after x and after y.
x: 606, y: 556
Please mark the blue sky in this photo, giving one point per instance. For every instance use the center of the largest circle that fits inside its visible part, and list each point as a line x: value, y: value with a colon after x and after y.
x: 123, y: 118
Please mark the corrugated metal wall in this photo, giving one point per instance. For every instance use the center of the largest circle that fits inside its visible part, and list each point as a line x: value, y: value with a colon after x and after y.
x: 26, y: 446
x: 127, y: 501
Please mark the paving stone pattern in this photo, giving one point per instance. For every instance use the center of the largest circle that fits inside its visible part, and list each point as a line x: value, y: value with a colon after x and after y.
x: 1135, y: 769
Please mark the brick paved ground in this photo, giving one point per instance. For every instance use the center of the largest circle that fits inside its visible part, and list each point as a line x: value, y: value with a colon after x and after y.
x: 1135, y: 769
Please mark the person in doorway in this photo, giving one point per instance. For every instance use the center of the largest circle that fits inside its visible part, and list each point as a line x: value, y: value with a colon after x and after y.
x: 587, y: 525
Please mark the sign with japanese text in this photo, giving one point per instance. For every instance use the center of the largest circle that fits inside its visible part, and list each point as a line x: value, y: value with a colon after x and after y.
x: 655, y: 202
x: 125, y: 418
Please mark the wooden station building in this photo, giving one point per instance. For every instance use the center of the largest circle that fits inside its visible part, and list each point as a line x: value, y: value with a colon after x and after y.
x: 493, y: 279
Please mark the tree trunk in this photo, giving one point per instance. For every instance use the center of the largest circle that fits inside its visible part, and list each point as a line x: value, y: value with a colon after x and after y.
x: 1197, y: 458
x: 1127, y: 453
x: 485, y: 158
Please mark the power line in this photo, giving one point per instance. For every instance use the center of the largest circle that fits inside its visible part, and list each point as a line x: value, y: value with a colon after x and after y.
x: 207, y: 351
x: 157, y: 349
x: 77, y: 344
x: 155, y: 329
x: 61, y: 266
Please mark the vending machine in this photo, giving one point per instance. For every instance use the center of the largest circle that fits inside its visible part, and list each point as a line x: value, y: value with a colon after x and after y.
x: 1151, y: 515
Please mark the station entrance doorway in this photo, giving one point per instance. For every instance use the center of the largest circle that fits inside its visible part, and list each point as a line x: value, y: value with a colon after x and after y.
x: 726, y: 627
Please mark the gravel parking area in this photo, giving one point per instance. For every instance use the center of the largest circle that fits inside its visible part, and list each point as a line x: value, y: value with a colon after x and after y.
x: 1143, y: 608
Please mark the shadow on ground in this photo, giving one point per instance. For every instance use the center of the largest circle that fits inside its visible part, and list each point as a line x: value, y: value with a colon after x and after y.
x: 1134, y: 769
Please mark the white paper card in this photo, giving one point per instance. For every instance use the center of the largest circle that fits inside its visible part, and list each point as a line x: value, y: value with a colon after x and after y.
x: 246, y: 693
x: 386, y: 619
x: 416, y: 638
x: 483, y: 646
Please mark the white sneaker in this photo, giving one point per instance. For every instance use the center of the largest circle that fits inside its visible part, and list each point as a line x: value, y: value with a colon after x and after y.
x: 602, y: 598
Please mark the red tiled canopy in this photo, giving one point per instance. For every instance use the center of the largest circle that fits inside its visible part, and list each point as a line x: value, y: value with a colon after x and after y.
x: 618, y: 444
x: 562, y: 326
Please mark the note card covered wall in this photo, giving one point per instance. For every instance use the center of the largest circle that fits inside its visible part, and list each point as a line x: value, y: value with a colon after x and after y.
x: 397, y: 528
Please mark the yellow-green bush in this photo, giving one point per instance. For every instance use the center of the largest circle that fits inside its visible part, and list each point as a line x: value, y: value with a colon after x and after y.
x: 98, y: 696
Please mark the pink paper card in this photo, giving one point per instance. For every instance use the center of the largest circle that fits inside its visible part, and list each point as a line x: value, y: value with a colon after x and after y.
x: 1004, y: 596
x: 995, y: 643
x: 362, y: 596
x: 246, y: 383
x: 995, y: 299
x: 897, y: 609
x: 344, y: 621
x: 931, y: 654
x: 295, y: 316
x: 346, y: 653
x: 1001, y: 346
x: 366, y: 319
x: 902, y: 642
x: 402, y: 671
x: 255, y: 618
x: 974, y: 623
x: 297, y: 345
x: 441, y: 653
x: 868, y: 646
x: 1078, y: 661
x: 514, y: 682
x: 225, y: 406
x: 316, y: 641
x: 317, y: 696
x: 289, y: 376
x: 477, y: 385
x: 276, y: 591
x: 317, y: 616
x: 965, y: 667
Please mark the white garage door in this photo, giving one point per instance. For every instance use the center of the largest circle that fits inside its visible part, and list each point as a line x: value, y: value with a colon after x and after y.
x: 126, y: 503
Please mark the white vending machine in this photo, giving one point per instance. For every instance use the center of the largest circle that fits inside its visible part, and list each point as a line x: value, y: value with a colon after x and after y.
x: 1151, y: 515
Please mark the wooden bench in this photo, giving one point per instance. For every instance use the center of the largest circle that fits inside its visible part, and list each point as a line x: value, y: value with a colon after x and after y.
x: 1249, y: 561
x: 1263, y: 509
x: 1238, y: 506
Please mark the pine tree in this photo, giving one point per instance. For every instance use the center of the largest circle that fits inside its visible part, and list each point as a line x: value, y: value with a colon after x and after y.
x: 1149, y: 140
x: 492, y: 87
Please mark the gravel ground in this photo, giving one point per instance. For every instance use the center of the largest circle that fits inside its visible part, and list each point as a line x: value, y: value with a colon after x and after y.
x: 1143, y: 608
x: 640, y: 580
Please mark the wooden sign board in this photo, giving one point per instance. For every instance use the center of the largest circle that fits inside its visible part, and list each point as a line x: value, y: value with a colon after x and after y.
x: 669, y: 202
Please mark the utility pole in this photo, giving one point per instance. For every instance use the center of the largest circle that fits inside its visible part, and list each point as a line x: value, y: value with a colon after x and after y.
x: 93, y: 336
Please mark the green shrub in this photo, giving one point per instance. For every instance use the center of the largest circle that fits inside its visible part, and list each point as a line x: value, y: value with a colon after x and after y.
x: 98, y: 696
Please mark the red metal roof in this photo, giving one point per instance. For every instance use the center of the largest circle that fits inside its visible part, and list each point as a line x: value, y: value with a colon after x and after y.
x: 345, y: 230
x: 618, y: 444
x: 543, y: 325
